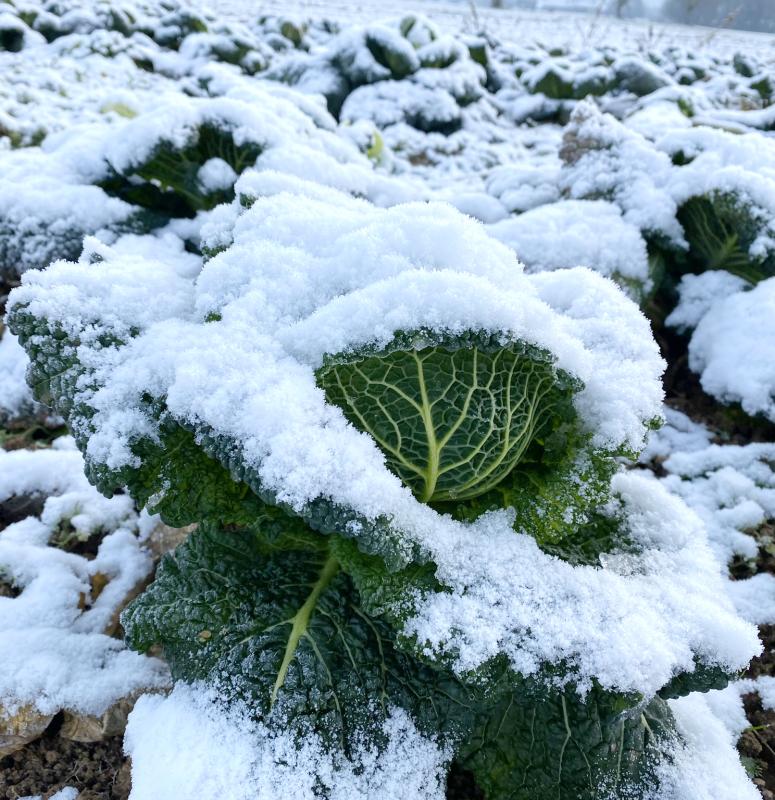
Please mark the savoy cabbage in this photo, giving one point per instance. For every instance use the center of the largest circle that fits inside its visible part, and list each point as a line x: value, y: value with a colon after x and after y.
x: 403, y: 456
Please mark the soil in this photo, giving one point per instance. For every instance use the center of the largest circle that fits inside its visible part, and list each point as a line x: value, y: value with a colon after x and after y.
x: 30, y: 433
x: 97, y: 769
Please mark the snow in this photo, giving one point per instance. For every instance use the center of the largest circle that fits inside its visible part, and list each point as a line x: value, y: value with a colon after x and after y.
x: 709, y: 147
x: 573, y: 233
x: 764, y: 686
x: 15, y: 395
x: 264, y: 120
x: 697, y: 293
x: 521, y: 187
x: 731, y: 486
x: 707, y: 766
x: 732, y: 489
x: 56, y: 649
x: 186, y: 746
x: 216, y: 174
x: 735, y: 360
x: 754, y: 598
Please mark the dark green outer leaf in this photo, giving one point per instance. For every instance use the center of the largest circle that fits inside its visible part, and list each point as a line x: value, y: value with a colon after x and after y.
x: 720, y: 229
x: 268, y: 615
x: 170, y: 182
x: 543, y: 744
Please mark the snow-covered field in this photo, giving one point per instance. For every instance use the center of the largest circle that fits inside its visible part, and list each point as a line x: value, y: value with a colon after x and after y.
x: 230, y: 242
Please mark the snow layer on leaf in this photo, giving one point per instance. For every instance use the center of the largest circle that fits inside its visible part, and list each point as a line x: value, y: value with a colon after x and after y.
x: 215, y: 174
x: 353, y: 275
x: 653, y: 116
x: 187, y: 747
x: 671, y: 595
x: 712, y: 150
x: 732, y: 349
x: 265, y: 121
x: 354, y: 174
x: 323, y: 274
x: 697, y: 293
x: 575, y: 233
x: 56, y: 653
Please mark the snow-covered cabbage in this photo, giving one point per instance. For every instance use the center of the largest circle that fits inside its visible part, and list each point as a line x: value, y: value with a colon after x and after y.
x: 402, y: 453
x: 181, y: 157
x: 605, y: 160
x: 406, y: 71
x: 706, y: 214
x: 46, y: 209
x: 416, y: 546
